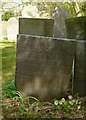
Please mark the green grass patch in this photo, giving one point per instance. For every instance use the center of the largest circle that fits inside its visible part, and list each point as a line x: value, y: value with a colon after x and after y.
x: 8, y: 60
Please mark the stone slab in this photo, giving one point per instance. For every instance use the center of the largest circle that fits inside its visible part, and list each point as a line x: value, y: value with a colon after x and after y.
x: 59, y: 15
x: 76, y: 28
x: 80, y: 68
x: 43, y: 66
x: 12, y: 28
x: 36, y: 26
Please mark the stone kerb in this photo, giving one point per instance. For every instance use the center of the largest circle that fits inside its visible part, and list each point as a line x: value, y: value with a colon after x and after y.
x: 43, y: 66
x: 36, y: 26
x: 12, y: 28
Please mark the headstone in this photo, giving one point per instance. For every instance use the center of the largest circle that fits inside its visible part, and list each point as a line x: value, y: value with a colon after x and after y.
x: 80, y: 68
x: 59, y: 15
x: 76, y: 28
x: 1, y: 37
x: 4, y: 28
x: 43, y: 66
x: 36, y: 26
x: 30, y: 12
x: 12, y: 28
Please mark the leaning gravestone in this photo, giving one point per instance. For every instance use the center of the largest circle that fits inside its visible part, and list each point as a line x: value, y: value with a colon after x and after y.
x: 30, y: 12
x: 59, y: 15
x: 12, y: 28
x: 43, y: 66
x: 76, y: 29
x: 36, y: 26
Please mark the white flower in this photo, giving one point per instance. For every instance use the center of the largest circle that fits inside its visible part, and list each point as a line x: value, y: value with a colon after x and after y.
x: 63, y: 100
x: 56, y: 102
x: 60, y: 102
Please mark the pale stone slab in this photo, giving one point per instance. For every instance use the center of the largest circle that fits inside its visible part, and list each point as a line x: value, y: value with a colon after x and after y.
x: 12, y: 28
x: 59, y: 15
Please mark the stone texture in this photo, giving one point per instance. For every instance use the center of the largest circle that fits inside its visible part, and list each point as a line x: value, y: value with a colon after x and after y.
x: 43, y: 66
x: 1, y: 31
x: 36, y: 26
x: 59, y: 15
x: 4, y: 28
x: 30, y: 11
x: 76, y: 28
x: 12, y: 28
x: 80, y: 69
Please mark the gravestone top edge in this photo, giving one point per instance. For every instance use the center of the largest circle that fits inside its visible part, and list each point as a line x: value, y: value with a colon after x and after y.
x: 55, y: 38
x: 36, y: 18
x: 75, y: 18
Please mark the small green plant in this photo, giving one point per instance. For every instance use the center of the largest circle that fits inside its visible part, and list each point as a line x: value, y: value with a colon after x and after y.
x: 38, y: 102
x: 67, y: 105
x: 9, y: 90
x: 26, y: 110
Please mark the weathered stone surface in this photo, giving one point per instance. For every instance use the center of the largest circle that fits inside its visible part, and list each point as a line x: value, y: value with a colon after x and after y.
x: 59, y: 15
x: 4, y: 28
x: 36, y: 26
x: 76, y: 28
x: 30, y: 11
x: 1, y: 38
x: 80, y: 68
x: 12, y: 28
x: 43, y: 66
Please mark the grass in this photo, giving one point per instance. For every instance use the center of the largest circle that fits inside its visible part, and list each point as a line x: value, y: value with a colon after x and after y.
x: 8, y: 60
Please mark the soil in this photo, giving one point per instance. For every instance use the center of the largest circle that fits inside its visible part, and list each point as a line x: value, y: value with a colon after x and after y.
x: 11, y: 110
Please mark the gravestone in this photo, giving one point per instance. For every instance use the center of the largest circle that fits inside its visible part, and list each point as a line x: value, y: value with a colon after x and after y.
x: 36, y: 26
x: 80, y: 68
x: 76, y: 29
x: 30, y: 12
x: 1, y: 37
x: 12, y: 28
x: 59, y: 15
x: 4, y: 28
x: 43, y: 66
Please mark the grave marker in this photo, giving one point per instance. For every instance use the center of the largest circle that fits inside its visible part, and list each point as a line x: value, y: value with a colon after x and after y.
x: 43, y: 66
x: 59, y: 15
x: 12, y: 28
x: 36, y: 26
x: 76, y: 29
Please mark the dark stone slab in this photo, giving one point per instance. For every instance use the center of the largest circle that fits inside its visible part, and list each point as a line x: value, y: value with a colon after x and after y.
x: 80, y: 68
x: 76, y: 28
x: 43, y: 66
x: 36, y: 26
